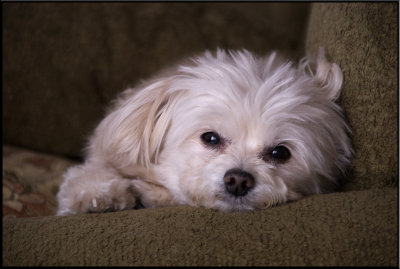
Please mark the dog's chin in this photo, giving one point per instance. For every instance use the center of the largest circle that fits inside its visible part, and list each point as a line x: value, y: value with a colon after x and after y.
x: 230, y: 203
x: 253, y: 200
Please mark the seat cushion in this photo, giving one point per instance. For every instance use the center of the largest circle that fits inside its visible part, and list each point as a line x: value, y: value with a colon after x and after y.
x: 349, y: 228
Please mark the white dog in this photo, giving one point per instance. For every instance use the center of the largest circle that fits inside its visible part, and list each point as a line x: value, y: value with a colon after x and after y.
x: 228, y: 131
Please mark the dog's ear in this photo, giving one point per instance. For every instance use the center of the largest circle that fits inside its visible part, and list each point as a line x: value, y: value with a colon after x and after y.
x: 134, y: 132
x: 328, y: 75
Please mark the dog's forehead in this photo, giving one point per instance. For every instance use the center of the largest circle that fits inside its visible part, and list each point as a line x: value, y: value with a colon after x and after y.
x: 230, y: 111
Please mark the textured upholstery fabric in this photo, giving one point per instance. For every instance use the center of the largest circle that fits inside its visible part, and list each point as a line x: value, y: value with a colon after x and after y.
x: 30, y: 182
x: 363, y: 39
x: 335, y: 229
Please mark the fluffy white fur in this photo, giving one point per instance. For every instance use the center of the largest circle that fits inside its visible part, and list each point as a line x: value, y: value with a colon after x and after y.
x: 149, y: 150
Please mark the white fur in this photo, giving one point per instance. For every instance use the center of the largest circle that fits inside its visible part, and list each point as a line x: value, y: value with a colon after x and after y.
x: 148, y: 148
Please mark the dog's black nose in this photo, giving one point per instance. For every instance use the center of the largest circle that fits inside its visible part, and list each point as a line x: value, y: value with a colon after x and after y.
x: 238, y: 182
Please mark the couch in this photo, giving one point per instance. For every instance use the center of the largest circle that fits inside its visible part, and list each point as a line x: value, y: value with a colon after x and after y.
x: 63, y: 63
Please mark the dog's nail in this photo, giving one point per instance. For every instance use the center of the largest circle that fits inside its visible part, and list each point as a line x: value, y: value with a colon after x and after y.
x: 94, y: 202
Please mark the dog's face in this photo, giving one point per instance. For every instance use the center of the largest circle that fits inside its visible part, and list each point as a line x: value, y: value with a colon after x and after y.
x: 234, y: 132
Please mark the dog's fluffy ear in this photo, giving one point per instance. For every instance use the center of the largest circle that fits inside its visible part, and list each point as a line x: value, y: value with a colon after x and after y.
x: 328, y: 75
x: 133, y: 133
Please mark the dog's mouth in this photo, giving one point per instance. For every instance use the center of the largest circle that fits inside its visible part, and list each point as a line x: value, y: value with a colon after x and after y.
x: 227, y: 201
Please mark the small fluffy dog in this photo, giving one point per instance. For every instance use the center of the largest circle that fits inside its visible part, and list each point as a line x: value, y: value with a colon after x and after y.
x: 228, y: 131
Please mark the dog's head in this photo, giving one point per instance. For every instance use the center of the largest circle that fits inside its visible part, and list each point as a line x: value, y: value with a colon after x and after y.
x: 232, y: 131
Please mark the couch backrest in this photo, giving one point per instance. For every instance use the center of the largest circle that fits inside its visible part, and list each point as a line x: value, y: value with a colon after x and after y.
x: 64, y: 62
x: 363, y: 39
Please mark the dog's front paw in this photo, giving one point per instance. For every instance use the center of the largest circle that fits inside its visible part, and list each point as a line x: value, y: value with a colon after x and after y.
x: 111, y: 196
x: 103, y: 205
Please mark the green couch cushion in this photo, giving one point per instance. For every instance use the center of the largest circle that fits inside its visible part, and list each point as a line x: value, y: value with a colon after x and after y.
x: 363, y: 39
x: 352, y: 228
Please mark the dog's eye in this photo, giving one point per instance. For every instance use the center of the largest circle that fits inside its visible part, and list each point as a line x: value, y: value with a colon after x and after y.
x: 280, y: 153
x: 211, y: 138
